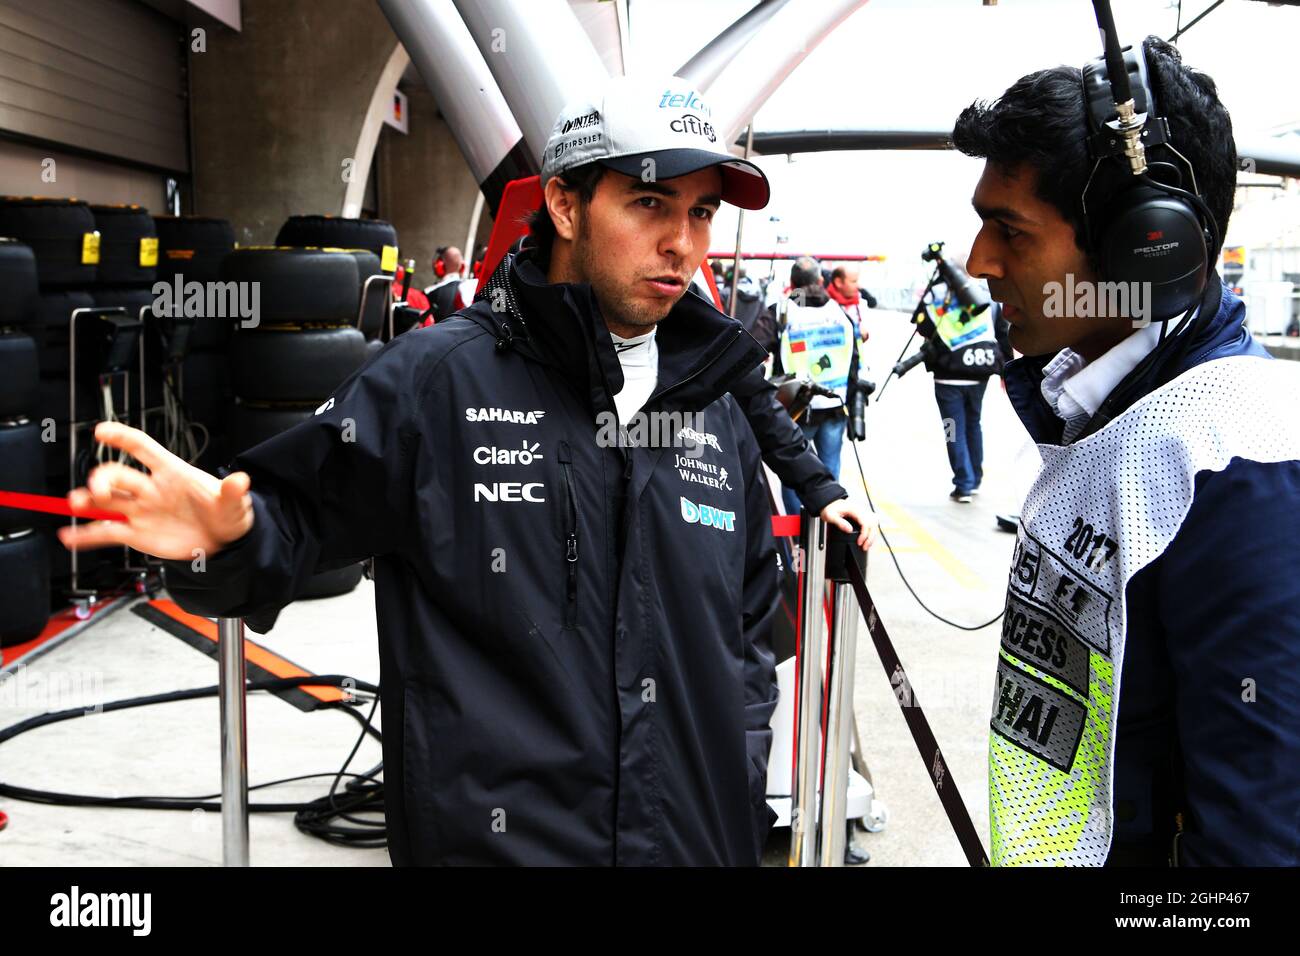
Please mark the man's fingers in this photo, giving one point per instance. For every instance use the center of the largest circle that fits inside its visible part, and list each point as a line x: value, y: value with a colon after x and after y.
x: 97, y: 534
x: 134, y: 442
x: 235, y: 486
x: 112, y: 479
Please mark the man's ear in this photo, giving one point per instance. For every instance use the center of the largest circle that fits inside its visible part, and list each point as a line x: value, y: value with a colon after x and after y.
x: 564, y: 209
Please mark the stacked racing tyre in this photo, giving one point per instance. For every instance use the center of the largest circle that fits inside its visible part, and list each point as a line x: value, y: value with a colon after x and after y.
x: 24, y: 564
x: 61, y: 233
x: 303, y: 346
x: 67, y: 246
x: 128, y: 246
x: 335, y: 232
x: 24, y: 586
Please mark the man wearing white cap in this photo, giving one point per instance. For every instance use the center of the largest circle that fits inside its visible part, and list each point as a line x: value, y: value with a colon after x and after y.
x: 575, y: 570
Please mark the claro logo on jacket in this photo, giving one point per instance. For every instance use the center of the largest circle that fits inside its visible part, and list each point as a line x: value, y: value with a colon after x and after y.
x: 503, y: 415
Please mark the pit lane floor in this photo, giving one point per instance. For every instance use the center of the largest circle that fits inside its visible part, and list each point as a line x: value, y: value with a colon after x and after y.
x: 952, y: 554
x: 957, y: 561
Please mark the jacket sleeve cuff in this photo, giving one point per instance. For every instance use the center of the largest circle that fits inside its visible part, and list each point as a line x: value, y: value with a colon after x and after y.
x: 815, y: 501
x: 218, y: 585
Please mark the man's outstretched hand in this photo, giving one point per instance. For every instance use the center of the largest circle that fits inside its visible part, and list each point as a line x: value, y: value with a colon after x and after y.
x: 170, y: 512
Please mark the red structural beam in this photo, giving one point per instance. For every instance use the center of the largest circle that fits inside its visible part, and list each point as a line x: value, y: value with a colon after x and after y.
x: 820, y: 256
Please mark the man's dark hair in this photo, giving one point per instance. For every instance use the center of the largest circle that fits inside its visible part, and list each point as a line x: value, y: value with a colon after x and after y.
x: 1042, y: 120
x: 805, y: 273
x: 839, y: 272
x: 541, y: 228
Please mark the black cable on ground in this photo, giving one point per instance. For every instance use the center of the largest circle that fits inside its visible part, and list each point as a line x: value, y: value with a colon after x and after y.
x: 362, y: 793
x: 893, y: 557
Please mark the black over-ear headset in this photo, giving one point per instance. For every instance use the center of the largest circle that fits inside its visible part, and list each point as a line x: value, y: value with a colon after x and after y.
x: 1142, y: 210
x: 1144, y: 216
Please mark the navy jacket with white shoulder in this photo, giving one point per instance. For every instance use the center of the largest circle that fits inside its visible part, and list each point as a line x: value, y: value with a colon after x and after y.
x: 1206, y: 765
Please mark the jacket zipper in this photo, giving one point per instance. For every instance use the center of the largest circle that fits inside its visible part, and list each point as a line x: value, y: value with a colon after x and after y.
x: 570, y: 538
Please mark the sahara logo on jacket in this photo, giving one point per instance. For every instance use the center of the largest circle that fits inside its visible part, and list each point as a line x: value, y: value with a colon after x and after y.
x: 503, y: 415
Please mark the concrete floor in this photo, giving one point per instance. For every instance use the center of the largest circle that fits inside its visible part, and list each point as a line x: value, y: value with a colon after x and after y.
x: 952, y: 554
x: 174, y: 749
x: 957, y: 562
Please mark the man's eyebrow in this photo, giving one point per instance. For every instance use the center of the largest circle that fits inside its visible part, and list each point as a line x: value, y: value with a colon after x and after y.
x: 652, y: 186
x: 1005, y: 213
x: 658, y: 188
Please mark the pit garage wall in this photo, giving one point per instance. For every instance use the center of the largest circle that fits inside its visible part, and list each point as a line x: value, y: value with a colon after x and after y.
x: 425, y: 187
x: 277, y: 108
x: 92, y: 100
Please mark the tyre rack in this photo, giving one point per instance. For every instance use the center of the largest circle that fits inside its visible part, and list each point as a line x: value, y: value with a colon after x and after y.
x: 361, y: 306
x: 83, y: 598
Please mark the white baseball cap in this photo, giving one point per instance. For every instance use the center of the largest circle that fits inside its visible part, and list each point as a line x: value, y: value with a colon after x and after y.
x: 640, y: 118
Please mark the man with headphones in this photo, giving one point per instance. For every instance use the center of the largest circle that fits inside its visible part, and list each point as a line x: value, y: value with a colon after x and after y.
x: 1147, y: 705
x: 444, y: 295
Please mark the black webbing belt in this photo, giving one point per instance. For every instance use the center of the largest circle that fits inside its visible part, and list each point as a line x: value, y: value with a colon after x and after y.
x: 944, y: 784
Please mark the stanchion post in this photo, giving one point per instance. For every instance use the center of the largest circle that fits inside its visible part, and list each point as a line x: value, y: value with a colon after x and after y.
x: 803, y: 789
x: 234, y: 742
x: 840, y: 550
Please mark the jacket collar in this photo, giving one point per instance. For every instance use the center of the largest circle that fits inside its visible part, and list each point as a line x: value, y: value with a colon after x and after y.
x: 702, y: 352
x: 1226, y: 334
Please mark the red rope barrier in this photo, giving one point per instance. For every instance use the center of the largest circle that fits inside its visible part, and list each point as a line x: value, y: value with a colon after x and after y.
x: 54, y: 506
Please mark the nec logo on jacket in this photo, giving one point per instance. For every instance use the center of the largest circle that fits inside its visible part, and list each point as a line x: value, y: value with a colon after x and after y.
x: 708, y: 516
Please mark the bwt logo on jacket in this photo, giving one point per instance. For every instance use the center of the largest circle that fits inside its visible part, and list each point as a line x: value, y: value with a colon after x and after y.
x: 683, y: 101
x: 708, y: 516
x: 503, y: 415
x: 692, y: 124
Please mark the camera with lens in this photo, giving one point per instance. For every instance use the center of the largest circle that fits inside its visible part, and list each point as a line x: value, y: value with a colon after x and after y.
x: 933, y: 252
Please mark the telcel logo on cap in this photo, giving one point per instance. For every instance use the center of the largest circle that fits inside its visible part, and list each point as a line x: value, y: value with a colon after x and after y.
x: 684, y: 101
x: 636, y: 118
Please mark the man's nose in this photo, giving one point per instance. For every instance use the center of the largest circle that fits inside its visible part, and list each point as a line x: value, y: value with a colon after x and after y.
x: 676, y: 240
x: 983, y: 261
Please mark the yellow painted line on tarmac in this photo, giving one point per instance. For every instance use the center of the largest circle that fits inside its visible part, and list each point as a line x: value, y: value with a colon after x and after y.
x: 926, y: 543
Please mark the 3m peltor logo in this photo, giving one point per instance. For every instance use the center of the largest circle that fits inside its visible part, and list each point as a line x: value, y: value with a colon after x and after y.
x: 504, y: 415
x: 1156, y: 249
x: 708, y: 516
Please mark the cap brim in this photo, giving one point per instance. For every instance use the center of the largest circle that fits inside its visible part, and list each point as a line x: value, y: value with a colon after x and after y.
x: 743, y: 183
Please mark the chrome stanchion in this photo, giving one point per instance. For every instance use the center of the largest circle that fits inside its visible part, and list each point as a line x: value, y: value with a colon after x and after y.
x: 234, y: 742
x: 376, y: 279
x: 803, y: 789
x: 840, y: 550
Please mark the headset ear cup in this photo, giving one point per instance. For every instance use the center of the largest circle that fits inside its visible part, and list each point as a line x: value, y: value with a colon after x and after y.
x: 1158, y: 241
